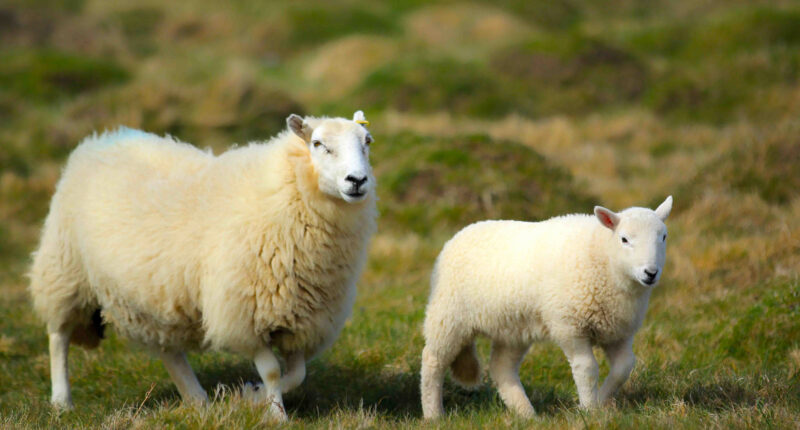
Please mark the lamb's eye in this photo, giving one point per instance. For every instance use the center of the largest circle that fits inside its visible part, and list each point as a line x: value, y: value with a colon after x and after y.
x: 664, y: 238
x: 624, y: 239
x: 316, y: 143
x: 368, y: 139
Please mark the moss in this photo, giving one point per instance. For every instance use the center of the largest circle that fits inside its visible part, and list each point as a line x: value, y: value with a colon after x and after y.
x: 435, y: 183
x: 48, y: 75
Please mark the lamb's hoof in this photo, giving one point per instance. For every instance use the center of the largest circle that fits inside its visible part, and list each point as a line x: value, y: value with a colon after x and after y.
x: 527, y: 414
x: 588, y: 407
x: 277, y: 413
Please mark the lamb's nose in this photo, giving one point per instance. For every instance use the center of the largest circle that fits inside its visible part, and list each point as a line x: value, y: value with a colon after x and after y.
x: 356, y: 181
x: 650, y: 274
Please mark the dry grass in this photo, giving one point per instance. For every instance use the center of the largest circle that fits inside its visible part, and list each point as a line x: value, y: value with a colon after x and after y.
x: 506, y: 109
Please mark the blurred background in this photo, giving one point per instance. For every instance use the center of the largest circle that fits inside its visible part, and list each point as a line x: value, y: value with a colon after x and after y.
x: 484, y: 109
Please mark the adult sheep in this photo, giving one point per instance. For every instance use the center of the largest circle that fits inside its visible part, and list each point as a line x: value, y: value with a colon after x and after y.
x: 255, y: 249
x: 578, y: 280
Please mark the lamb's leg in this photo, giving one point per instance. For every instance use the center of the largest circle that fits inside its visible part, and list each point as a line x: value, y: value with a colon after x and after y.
x: 184, y: 378
x: 295, y: 371
x: 584, y: 369
x: 59, y: 369
x: 439, y: 352
x: 621, y: 361
x: 504, y: 368
x: 431, y: 383
x: 270, y: 371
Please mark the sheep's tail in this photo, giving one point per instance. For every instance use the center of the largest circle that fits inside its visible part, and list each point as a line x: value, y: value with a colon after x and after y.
x: 89, y: 335
x: 466, y: 368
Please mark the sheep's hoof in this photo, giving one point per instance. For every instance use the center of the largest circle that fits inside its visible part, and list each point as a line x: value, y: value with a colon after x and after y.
x: 277, y: 413
x: 62, y: 405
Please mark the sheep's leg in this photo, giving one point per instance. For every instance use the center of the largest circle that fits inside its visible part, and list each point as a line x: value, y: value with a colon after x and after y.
x: 504, y: 368
x: 270, y: 371
x: 295, y: 371
x: 184, y: 378
x: 584, y: 370
x: 59, y: 369
x: 621, y: 361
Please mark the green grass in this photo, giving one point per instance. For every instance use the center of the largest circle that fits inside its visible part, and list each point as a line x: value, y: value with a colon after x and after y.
x: 437, y: 183
x: 48, y: 75
x: 582, y: 103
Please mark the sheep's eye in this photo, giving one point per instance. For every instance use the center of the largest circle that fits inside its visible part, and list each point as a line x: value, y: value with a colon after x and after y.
x: 316, y: 143
x: 624, y: 239
x: 368, y: 139
x: 664, y: 238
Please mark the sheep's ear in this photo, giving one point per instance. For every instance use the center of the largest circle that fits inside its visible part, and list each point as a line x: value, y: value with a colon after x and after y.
x: 299, y: 127
x: 664, y: 209
x: 607, y: 217
x: 359, y: 118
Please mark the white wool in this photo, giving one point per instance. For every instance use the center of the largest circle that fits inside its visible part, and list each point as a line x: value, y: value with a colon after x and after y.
x: 569, y: 279
x: 183, y: 249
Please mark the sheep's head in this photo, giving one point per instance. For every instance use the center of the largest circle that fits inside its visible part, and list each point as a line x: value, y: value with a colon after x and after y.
x: 639, y: 240
x: 339, y: 151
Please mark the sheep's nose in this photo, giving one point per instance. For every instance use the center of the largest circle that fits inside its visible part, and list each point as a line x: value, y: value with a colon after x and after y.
x: 651, y: 273
x: 356, y: 181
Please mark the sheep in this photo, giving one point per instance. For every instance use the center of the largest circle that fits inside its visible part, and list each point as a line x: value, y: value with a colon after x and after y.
x: 256, y: 249
x: 578, y: 280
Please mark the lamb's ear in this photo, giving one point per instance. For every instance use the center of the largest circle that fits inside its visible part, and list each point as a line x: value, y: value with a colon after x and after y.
x: 607, y: 217
x: 664, y: 209
x: 359, y: 118
x: 299, y: 127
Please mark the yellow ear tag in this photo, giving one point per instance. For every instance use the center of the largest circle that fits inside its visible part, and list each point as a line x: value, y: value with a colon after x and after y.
x: 363, y: 122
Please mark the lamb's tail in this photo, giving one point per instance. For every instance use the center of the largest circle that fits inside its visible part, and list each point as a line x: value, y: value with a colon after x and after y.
x: 466, y: 368
x: 89, y: 335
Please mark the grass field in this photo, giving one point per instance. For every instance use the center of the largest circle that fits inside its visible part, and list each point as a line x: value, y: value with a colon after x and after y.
x: 504, y: 109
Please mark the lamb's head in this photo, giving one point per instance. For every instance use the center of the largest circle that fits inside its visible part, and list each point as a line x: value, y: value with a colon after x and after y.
x: 339, y: 151
x: 639, y: 240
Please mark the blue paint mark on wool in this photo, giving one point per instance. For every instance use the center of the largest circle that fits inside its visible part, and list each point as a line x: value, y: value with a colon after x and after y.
x: 130, y: 133
x: 124, y: 133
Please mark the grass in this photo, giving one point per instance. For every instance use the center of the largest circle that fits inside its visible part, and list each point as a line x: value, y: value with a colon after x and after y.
x: 505, y: 109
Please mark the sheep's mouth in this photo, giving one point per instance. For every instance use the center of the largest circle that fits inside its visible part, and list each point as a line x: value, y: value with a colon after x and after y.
x: 353, y: 196
x: 648, y: 282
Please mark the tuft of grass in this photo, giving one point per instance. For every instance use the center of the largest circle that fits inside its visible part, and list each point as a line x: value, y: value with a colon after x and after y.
x: 48, y: 75
x: 745, y: 30
x: 139, y: 25
x: 765, y: 164
x: 452, y: 182
x: 552, y: 15
x: 430, y: 85
x: 314, y: 24
x: 572, y: 73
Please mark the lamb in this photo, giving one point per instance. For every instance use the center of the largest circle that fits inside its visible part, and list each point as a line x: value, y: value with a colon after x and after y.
x: 577, y: 280
x: 258, y: 249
